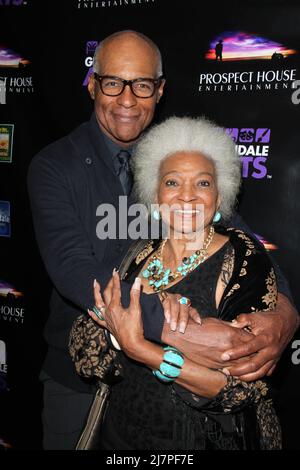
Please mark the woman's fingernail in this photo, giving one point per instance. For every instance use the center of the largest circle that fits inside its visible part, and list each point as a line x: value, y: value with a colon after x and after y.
x: 182, y: 327
x: 199, y: 321
x: 226, y: 371
x: 173, y: 326
x: 225, y: 357
x: 95, y: 281
x: 167, y: 316
x: 137, y: 283
x: 114, y: 271
x: 233, y: 321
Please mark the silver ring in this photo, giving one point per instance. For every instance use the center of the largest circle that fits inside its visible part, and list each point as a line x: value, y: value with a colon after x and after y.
x: 97, y: 312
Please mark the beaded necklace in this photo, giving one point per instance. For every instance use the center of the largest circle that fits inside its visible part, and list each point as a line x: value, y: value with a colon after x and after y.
x: 159, y: 277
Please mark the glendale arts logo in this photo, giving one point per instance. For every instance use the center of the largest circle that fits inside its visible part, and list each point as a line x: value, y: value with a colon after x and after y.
x: 11, y: 304
x: 88, y: 4
x: 253, y: 146
x: 88, y: 61
x: 240, y: 61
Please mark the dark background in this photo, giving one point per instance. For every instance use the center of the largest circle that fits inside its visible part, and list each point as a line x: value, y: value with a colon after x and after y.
x: 53, y: 36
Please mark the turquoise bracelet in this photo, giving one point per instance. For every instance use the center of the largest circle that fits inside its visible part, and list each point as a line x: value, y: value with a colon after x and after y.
x: 170, y: 368
x: 162, y: 377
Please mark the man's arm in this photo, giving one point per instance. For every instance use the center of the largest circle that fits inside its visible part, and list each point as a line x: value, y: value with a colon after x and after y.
x: 65, y: 247
x: 205, y: 344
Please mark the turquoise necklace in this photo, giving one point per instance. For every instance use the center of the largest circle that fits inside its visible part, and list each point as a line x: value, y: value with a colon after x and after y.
x: 159, y: 277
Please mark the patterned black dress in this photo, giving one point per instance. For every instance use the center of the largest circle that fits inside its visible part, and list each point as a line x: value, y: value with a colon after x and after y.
x: 144, y: 413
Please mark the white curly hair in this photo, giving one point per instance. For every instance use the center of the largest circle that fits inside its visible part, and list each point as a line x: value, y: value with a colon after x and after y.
x: 177, y: 134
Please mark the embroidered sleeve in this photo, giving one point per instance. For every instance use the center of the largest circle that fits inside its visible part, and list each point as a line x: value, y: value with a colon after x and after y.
x: 227, y: 267
x: 90, y: 350
x: 232, y: 398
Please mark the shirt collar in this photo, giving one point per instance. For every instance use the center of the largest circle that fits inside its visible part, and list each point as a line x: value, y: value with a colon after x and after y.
x: 112, y: 147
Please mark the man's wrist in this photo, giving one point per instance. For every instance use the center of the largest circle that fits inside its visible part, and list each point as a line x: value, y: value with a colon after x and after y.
x: 286, y: 308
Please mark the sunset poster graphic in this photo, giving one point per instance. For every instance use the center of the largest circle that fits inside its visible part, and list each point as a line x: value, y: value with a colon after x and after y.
x: 240, y: 45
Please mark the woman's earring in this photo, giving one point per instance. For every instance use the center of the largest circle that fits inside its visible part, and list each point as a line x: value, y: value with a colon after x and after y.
x: 217, y: 217
x: 156, y: 214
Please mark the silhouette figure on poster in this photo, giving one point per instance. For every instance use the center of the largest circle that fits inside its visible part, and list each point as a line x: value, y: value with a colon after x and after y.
x: 219, y: 50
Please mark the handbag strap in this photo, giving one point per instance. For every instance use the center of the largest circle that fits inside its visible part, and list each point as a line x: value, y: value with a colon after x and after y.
x: 95, y: 417
x: 131, y: 254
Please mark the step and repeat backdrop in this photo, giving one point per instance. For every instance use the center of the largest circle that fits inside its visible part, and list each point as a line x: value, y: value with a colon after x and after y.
x: 238, y: 64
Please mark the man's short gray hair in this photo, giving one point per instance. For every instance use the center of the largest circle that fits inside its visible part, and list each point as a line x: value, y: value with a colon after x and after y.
x: 187, y: 134
x: 96, y: 65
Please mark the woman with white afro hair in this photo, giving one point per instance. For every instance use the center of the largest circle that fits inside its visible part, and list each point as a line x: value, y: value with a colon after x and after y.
x: 169, y: 399
x: 188, y: 135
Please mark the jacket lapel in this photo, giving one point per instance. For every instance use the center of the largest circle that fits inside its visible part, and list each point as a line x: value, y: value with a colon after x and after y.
x: 89, y: 144
x: 102, y: 154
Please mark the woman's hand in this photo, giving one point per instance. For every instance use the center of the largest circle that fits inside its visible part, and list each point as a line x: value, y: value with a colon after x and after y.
x: 124, y: 324
x: 177, y: 314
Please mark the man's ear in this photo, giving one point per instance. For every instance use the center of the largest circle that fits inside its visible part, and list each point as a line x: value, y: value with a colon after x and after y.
x: 160, y: 91
x: 91, y: 86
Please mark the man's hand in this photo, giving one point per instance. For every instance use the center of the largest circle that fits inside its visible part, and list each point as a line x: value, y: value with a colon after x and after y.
x: 273, y: 331
x: 204, y: 344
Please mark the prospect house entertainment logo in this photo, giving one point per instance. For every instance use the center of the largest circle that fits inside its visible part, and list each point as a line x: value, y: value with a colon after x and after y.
x: 244, y: 62
x: 14, y: 77
x: 12, y: 308
x: 269, y: 246
x: 232, y: 45
x: 10, y: 58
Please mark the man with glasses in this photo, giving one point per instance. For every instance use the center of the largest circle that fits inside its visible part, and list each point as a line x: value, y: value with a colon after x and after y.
x: 67, y: 181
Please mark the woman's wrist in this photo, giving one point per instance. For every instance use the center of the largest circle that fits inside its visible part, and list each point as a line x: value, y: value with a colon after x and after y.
x: 201, y: 380
x: 136, y: 348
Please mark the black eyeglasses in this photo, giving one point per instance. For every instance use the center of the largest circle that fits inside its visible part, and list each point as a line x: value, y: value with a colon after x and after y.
x: 140, y: 87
